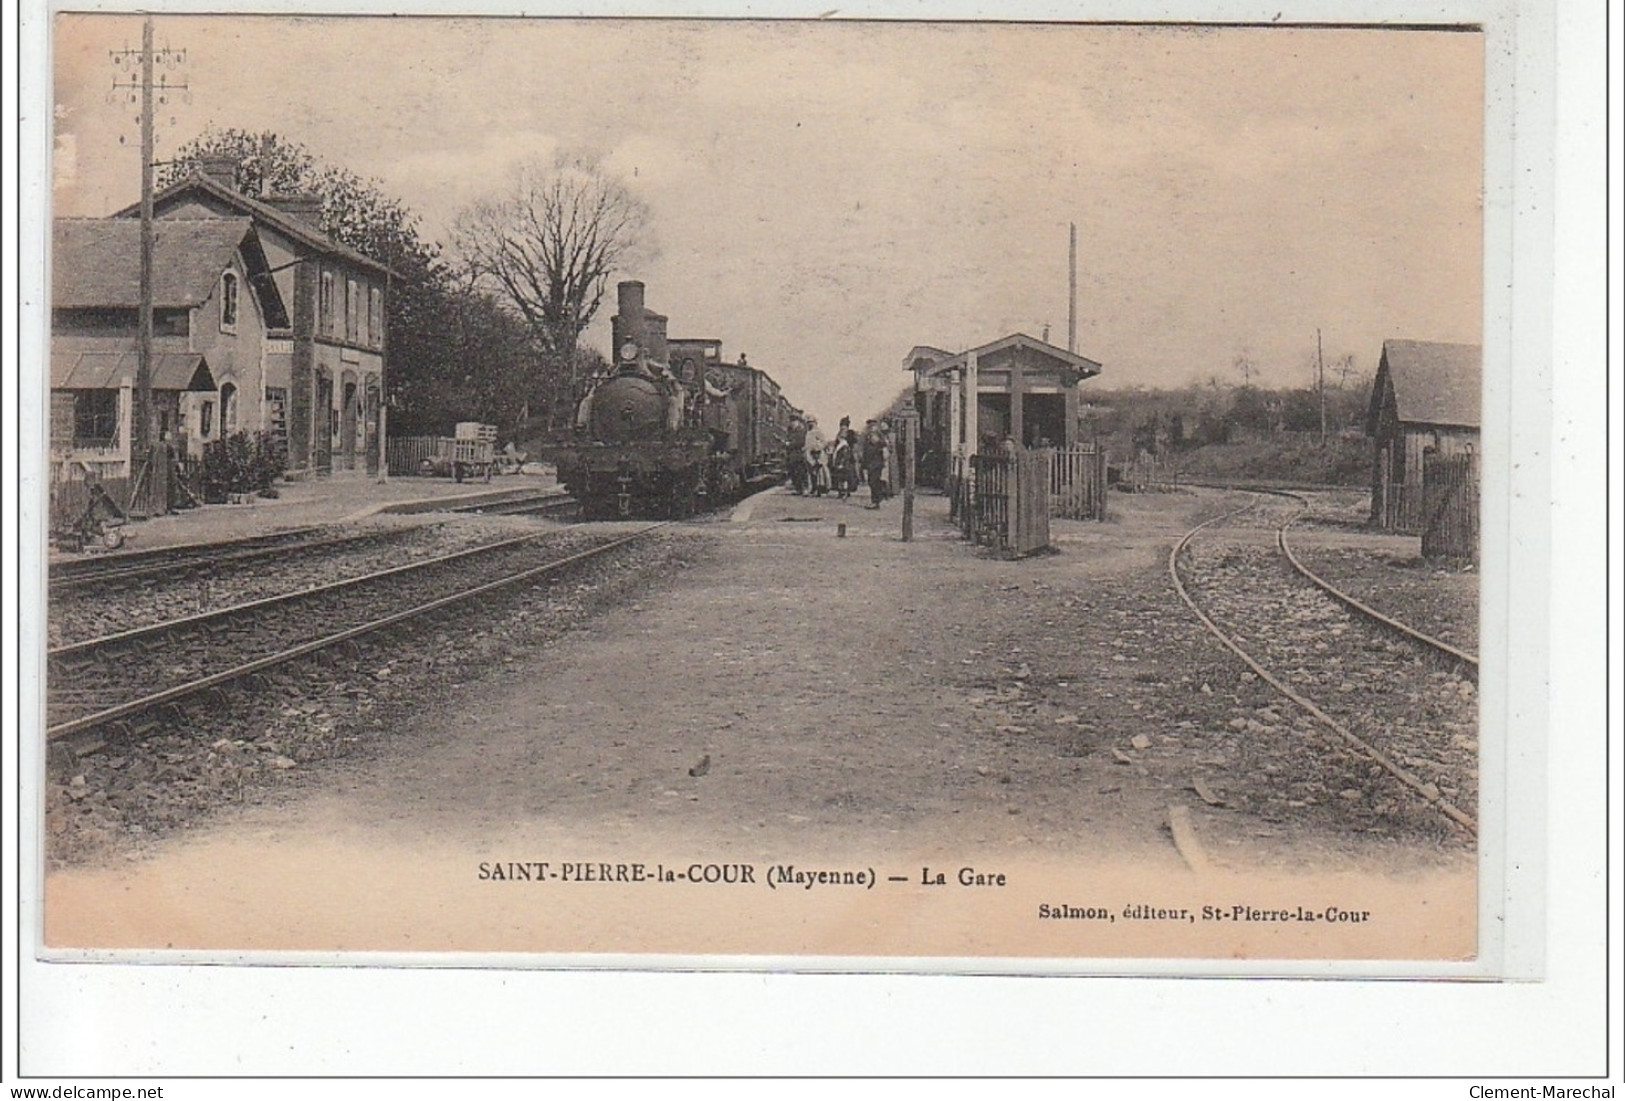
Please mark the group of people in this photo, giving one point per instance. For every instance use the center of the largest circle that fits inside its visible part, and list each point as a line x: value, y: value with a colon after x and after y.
x: 818, y: 466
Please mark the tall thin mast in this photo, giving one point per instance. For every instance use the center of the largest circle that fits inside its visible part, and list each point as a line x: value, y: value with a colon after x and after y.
x: 144, y: 425
x: 1072, y: 288
x: 1320, y: 370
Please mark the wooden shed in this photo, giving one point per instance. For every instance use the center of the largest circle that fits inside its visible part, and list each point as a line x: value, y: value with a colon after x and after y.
x: 1424, y: 403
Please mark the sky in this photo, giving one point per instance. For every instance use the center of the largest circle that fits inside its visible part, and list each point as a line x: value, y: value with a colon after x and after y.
x: 825, y: 195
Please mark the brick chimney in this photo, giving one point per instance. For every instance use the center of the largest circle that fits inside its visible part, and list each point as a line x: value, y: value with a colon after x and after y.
x: 222, y: 170
x: 305, y: 207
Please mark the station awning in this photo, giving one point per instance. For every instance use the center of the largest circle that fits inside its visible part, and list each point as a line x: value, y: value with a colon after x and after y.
x: 106, y: 370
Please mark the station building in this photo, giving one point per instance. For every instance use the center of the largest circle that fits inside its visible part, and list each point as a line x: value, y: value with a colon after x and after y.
x: 214, y: 308
x: 322, y: 387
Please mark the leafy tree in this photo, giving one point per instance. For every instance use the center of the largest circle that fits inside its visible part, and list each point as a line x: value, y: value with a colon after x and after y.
x: 1300, y: 410
x: 266, y: 163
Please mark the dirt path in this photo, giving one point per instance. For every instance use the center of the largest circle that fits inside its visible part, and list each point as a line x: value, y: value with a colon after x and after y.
x: 806, y: 701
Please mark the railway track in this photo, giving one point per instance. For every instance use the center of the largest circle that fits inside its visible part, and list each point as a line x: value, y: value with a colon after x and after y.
x: 127, y: 566
x: 1374, y: 682
x: 202, y: 566
x: 1466, y: 662
x: 98, y: 684
x: 551, y: 503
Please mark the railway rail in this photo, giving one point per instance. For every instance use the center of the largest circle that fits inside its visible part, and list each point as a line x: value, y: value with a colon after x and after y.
x: 187, y: 569
x: 107, y: 569
x: 550, y: 503
x: 99, y: 683
x: 1467, y: 662
x: 1404, y: 741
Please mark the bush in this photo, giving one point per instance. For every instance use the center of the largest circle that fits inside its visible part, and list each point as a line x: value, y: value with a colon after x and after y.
x: 242, y: 462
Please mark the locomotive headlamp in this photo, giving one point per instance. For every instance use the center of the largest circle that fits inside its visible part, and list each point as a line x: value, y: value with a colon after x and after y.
x: 629, y: 351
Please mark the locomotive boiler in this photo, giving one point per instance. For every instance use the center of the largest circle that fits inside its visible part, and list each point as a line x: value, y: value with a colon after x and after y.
x: 670, y: 428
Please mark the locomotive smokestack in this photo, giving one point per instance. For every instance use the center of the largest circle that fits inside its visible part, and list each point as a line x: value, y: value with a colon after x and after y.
x: 629, y: 299
x: 628, y: 322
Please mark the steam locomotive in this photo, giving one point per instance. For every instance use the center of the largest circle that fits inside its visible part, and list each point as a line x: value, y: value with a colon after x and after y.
x: 670, y: 429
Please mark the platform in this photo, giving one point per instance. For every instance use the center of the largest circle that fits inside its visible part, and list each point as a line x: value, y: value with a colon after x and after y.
x: 317, y: 501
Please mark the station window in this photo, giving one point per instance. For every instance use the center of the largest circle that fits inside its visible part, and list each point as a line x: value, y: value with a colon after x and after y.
x: 375, y: 316
x: 228, y: 409
x: 326, y: 305
x: 228, y: 302
x: 205, y: 419
x: 95, y: 418
x: 352, y: 295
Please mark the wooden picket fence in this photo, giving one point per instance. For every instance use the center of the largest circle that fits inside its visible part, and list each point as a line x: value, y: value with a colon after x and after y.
x: 1399, y: 507
x: 156, y: 488
x: 1002, y: 501
x: 406, y: 454
x: 71, y: 497
x: 1077, y: 483
x: 1450, y: 489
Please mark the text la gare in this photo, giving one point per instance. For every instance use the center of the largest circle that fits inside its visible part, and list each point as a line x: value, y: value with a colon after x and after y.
x: 965, y: 877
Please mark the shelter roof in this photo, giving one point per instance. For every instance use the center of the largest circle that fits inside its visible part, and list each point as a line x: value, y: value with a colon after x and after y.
x: 1433, y: 383
x: 924, y: 356
x: 1004, y: 351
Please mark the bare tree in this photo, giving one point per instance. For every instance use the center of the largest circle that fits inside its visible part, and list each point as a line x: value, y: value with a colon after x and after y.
x: 1243, y: 363
x: 550, y: 245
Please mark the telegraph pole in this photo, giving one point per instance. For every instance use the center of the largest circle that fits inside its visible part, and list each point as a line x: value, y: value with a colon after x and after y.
x: 1320, y: 369
x: 1072, y: 287
x: 144, y: 418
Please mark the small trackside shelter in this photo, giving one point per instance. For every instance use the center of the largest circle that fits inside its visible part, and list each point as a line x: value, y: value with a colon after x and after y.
x: 1016, y: 387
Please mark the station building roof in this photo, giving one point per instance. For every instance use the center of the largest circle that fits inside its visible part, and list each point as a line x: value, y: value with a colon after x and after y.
x: 261, y: 212
x: 96, y: 263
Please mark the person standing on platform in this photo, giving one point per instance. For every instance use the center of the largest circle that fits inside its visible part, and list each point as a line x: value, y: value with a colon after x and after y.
x: 843, y: 463
x: 889, y: 473
x: 874, y: 462
x: 795, y: 456
x: 817, y: 452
